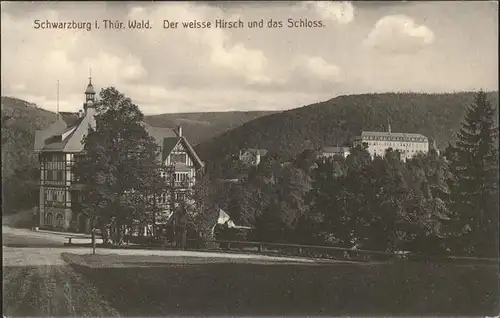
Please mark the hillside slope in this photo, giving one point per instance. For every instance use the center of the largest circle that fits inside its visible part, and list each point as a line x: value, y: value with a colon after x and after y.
x: 20, y: 119
x: 199, y: 127
x: 337, y: 121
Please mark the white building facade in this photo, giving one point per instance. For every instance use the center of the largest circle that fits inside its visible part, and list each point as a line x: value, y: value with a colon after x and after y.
x: 252, y: 157
x: 407, y: 144
x: 329, y: 152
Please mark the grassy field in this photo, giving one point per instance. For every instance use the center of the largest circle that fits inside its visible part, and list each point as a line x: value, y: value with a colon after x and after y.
x: 159, y: 286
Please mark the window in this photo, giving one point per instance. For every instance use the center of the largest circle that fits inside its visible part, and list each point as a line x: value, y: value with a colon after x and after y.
x: 59, y: 220
x: 54, y: 196
x: 180, y: 196
x: 178, y: 158
x: 48, y: 219
x: 54, y: 166
x: 181, y: 177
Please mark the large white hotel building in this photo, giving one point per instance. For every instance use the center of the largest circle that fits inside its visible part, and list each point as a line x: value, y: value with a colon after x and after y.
x: 408, y: 145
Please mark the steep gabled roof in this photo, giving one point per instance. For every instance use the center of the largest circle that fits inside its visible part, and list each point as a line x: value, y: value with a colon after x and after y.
x: 159, y: 133
x: 63, y: 137
x: 41, y: 136
x: 192, y: 152
x: 71, y: 119
x: 170, y: 143
x: 68, y: 138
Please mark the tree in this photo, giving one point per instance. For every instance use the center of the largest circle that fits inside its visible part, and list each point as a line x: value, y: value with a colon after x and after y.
x: 269, y: 226
x: 202, y: 209
x: 426, y: 212
x: 474, y: 182
x: 121, y: 165
x: 331, y: 201
x: 291, y: 186
x: 236, y: 204
x: 306, y: 159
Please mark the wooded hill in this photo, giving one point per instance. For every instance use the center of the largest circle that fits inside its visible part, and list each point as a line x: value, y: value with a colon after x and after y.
x: 20, y: 120
x: 199, y: 127
x: 339, y: 120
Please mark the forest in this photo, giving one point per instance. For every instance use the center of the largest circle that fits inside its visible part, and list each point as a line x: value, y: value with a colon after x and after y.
x: 337, y: 121
x: 433, y: 204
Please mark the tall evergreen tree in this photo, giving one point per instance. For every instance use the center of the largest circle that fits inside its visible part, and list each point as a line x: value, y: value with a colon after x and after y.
x: 474, y: 164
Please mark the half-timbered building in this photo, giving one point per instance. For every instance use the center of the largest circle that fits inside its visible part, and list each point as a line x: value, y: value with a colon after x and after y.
x: 60, y: 146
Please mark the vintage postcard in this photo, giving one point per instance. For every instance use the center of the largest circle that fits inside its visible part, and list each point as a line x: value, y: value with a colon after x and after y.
x: 250, y: 158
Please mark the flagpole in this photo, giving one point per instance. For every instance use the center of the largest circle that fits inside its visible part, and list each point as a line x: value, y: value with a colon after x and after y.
x: 57, y: 111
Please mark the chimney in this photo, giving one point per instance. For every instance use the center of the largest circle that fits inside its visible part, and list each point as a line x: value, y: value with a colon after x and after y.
x: 179, y: 130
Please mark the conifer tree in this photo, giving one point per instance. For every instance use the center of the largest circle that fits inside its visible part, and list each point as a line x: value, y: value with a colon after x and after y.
x: 474, y: 182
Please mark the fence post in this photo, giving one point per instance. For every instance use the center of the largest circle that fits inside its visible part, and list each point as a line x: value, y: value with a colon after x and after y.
x: 93, y: 241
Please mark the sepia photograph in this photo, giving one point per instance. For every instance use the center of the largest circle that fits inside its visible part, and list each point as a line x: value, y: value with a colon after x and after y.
x: 250, y: 158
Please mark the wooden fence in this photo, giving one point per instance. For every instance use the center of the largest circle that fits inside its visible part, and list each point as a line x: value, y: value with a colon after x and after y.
x: 330, y: 252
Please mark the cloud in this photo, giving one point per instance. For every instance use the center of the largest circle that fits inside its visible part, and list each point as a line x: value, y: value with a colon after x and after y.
x: 314, y: 74
x: 317, y: 66
x: 170, y: 70
x: 222, y: 53
x: 399, y: 34
x: 306, y: 73
x: 157, y: 57
x: 340, y: 12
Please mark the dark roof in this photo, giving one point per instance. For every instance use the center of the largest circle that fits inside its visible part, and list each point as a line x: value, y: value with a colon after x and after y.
x: 90, y: 89
x: 191, y: 150
x: 70, y: 118
x: 168, y: 145
x: 159, y: 133
x: 56, y: 128
x: 61, y: 136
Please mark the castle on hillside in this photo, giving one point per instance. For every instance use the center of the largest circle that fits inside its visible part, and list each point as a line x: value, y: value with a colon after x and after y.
x: 60, y: 146
x: 407, y: 144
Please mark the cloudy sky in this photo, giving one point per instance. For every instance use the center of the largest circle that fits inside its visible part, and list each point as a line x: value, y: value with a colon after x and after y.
x: 363, y: 47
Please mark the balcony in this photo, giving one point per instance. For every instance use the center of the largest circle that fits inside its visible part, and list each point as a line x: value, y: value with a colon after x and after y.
x: 77, y: 186
x: 55, y: 204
